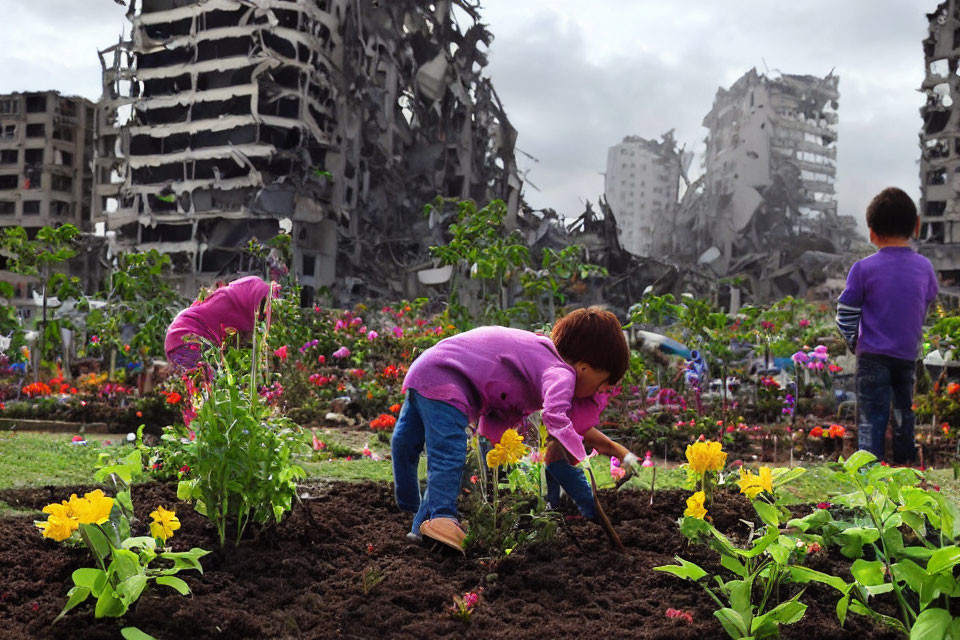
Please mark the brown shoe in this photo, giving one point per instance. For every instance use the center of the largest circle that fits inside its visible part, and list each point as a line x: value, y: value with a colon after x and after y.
x: 445, y: 530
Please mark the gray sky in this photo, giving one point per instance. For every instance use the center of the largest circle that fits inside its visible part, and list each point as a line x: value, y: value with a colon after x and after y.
x: 577, y: 77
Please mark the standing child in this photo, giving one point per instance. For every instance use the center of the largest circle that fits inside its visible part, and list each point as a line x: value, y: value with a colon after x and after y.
x: 496, y: 376
x: 234, y: 306
x: 880, y: 314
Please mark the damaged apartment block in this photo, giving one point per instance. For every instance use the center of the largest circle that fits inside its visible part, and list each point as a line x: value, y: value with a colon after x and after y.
x: 940, y: 145
x: 765, y: 210
x: 227, y: 120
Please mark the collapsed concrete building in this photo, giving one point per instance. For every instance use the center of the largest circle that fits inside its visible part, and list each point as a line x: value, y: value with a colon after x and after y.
x: 765, y: 210
x: 940, y: 146
x: 46, y: 147
x: 225, y: 120
x: 642, y: 185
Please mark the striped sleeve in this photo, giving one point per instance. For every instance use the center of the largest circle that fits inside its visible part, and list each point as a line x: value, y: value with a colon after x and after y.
x: 848, y: 322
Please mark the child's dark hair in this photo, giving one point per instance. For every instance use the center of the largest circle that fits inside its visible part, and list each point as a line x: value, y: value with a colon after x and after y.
x: 892, y: 214
x: 594, y: 336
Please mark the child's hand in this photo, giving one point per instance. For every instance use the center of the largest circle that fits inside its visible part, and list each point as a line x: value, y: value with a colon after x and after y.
x: 630, y: 462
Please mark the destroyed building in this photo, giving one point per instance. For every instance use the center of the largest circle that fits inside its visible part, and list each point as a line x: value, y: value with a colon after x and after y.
x: 46, y: 145
x: 767, y: 196
x: 226, y: 120
x: 940, y: 145
x: 641, y: 185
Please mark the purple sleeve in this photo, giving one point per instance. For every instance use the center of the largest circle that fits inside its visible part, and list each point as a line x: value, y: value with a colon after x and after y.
x: 585, y: 412
x: 934, y: 287
x: 557, y: 386
x: 853, y: 292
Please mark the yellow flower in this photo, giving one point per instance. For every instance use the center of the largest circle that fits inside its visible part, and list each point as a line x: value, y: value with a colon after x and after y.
x: 695, y: 507
x: 706, y: 456
x: 93, y: 508
x: 508, y: 451
x: 164, y: 523
x: 60, y: 525
x: 752, y: 485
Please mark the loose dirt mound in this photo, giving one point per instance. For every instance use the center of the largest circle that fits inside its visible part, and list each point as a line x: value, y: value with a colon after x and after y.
x: 304, y: 579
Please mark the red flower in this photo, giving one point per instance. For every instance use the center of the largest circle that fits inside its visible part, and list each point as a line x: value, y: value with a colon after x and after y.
x: 321, y: 359
x: 383, y: 421
x: 473, y: 479
x: 77, y: 439
x: 139, y: 414
x: 816, y: 432
x: 369, y: 548
x: 157, y: 465
x: 395, y: 408
x: 813, y: 548
x: 832, y: 368
x: 174, y: 398
x: 837, y: 431
x: 677, y: 614
x: 185, y: 469
x: 2, y: 406
x: 730, y: 428
x: 281, y: 352
x: 953, y: 388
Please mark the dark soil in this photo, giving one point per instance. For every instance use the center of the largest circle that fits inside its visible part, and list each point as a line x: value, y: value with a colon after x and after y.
x: 304, y: 578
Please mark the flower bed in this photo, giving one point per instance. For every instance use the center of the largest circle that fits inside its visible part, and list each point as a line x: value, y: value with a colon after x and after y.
x: 338, y: 566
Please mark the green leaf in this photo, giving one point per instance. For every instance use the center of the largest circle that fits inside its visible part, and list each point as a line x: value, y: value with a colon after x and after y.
x: 733, y: 565
x: 732, y: 623
x: 75, y: 596
x: 98, y: 543
x: 803, y: 575
x: 842, y: 605
x: 767, y: 513
x: 686, y: 570
x: 855, y: 538
x: 109, y: 604
x: 931, y: 624
x: 92, y: 579
x: 124, y: 565
x: 858, y: 460
x: 942, y: 559
x: 175, y: 583
x: 131, y: 588
x: 911, y: 573
x: 140, y: 542
x: 786, y: 613
x: 132, y: 633
x: 813, y: 521
x: 867, y: 572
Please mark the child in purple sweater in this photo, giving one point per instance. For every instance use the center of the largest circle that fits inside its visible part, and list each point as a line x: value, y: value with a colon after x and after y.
x: 495, y: 376
x: 880, y: 314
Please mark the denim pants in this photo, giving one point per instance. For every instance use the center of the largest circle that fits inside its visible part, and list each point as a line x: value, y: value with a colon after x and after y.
x: 574, y: 481
x: 442, y: 428
x: 880, y: 378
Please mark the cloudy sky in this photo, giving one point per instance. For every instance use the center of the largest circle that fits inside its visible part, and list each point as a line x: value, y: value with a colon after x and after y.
x: 576, y: 77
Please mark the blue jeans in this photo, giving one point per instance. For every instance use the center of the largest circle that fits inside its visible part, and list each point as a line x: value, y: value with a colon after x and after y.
x: 442, y: 428
x: 574, y: 481
x: 878, y: 379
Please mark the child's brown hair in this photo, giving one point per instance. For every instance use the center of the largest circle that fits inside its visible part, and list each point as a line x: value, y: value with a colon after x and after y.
x: 594, y: 336
x: 892, y: 214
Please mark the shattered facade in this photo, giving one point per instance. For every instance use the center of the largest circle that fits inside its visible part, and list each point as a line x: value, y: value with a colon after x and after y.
x: 768, y: 195
x: 224, y: 120
x: 641, y: 185
x: 46, y: 146
x: 940, y: 144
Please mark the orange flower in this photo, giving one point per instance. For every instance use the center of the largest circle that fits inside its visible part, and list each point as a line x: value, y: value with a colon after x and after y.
x: 946, y: 428
x: 383, y: 421
x: 837, y: 431
x: 173, y: 398
x: 395, y: 408
x: 816, y: 432
x: 952, y: 388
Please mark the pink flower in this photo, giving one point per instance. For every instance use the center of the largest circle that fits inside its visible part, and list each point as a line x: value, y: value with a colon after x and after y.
x: 470, y: 599
x: 804, y: 323
x: 366, y: 452
x: 281, y: 352
x: 340, y: 325
x: 342, y: 352
x: 616, y: 472
x: 372, y: 335
x: 824, y: 505
x: 321, y: 359
x: 647, y: 459
x: 94, y: 339
x: 317, y: 442
x: 397, y: 332
x: 473, y: 480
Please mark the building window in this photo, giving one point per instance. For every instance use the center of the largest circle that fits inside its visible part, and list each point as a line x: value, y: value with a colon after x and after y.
x: 8, y: 132
x: 7, y: 208
x: 9, y: 156
x: 309, y: 265
x: 31, y: 207
x: 10, y: 106
x: 8, y: 182
x: 59, y: 208
x: 36, y: 104
x: 36, y: 130
x: 61, y: 132
x: 61, y: 183
x: 33, y: 156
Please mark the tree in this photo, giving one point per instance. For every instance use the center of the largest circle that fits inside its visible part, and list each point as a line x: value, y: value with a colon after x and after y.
x: 40, y: 257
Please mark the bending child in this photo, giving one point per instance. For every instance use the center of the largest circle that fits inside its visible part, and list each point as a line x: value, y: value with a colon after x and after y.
x: 495, y: 376
x: 880, y: 315
x: 234, y: 306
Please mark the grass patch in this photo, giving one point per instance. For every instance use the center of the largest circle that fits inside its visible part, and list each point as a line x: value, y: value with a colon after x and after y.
x: 39, y: 459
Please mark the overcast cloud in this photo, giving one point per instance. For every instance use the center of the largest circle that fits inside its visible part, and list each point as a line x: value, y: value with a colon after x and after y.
x: 576, y: 77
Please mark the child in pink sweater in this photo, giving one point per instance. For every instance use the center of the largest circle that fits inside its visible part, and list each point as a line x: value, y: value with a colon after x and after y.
x: 233, y: 307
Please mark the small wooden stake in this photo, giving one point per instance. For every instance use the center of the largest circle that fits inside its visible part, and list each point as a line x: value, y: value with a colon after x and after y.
x: 653, y: 482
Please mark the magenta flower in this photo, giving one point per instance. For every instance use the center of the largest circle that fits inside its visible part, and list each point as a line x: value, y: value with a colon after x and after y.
x: 397, y: 332
x: 94, y: 339
x: 804, y: 323
x: 799, y: 357
x: 340, y: 325
x: 281, y: 352
x: 321, y: 358
x: 342, y: 352
x: 372, y: 335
